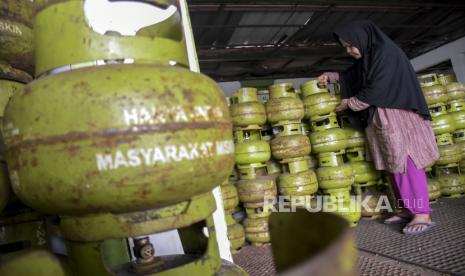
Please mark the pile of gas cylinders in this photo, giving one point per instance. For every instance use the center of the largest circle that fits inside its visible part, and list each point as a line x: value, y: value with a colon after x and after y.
x: 446, y: 101
x: 114, y: 140
x: 20, y: 226
x: 290, y: 143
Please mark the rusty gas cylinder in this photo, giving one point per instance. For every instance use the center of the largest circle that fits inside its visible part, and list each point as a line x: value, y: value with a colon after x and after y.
x: 230, y: 197
x: 355, y: 138
x: 292, y: 146
x: 434, y: 189
x: 246, y: 109
x: 252, y: 152
x: 284, y: 105
x: 435, y: 94
x: 236, y: 233
x: 449, y: 154
x: 446, y: 78
x: 443, y: 124
x: 313, y: 87
x: 329, y: 140
x: 252, y: 192
x: 451, y: 185
x: 456, y: 109
x: 89, y: 36
x: 117, y: 138
x: 459, y: 140
x: 335, y: 177
x: 364, y: 171
x: 12, y: 81
x: 320, y: 104
x: 289, y: 142
x: 256, y: 231
x: 321, y: 123
x: 455, y: 91
x: 16, y: 35
x: 298, y: 184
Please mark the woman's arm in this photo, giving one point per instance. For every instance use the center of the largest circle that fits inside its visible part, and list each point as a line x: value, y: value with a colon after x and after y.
x: 352, y: 103
x: 356, y: 104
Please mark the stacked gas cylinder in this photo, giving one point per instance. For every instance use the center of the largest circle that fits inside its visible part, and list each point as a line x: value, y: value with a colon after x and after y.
x: 285, y: 111
x: 446, y: 102
x: 329, y: 143
x: 367, y: 181
x: 115, y: 141
x: 235, y: 230
x: 251, y: 155
x: 230, y: 197
x: 21, y: 228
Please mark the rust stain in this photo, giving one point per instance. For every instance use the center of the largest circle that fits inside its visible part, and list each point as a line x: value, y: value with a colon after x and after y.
x: 113, y: 133
x: 73, y: 150
x: 27, y: 90
x: 34, y: 162
x: 188, y: 95
x: 91, y: 174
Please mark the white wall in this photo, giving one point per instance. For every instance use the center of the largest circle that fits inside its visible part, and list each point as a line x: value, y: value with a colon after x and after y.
x: 229, y: 87
x: 455, y: 51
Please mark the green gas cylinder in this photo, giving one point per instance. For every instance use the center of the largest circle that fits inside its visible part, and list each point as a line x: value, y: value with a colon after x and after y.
x: 246, y: 109
x: 84, y: 40
x: 435, y: 94
x: 364, y: 171
x: 236, y: 234
x: 252, y: 192
x: 434, y: 190
x: 449, y: 154
x: 443, y: 124
x: 451, y: 185
x: 455, y: 91
x: 355, y: 137
x: 335, y: 177
x: 121, y: 134
x: 293, y: 146
x: 256, y: 231
x: 319, y: 104
x: 298, y: 184
x: 16, y: 35
x: 252, y: 152
x: 313, y: 87
x: 230, y: 197
x: 330, y: 140
x: 284, y: 105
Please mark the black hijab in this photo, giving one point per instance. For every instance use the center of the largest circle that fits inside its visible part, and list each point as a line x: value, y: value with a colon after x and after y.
x: 383, y: 77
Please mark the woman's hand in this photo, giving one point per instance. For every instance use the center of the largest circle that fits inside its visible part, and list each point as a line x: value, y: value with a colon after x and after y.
x: 329, y: 77
x: 342, y: 106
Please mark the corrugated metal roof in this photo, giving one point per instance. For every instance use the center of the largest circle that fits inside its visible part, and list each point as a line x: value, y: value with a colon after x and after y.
x: 268, y: 35
x: 275, y: 39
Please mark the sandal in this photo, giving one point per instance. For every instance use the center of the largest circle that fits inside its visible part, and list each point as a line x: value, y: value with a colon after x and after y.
x: 400, y: 220
x: 416, y: 232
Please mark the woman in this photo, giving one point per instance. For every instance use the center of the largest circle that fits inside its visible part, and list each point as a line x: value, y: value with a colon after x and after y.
x: 381, y: 93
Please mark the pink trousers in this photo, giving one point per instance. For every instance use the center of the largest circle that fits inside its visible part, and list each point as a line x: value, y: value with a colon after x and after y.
x: 411, y: 189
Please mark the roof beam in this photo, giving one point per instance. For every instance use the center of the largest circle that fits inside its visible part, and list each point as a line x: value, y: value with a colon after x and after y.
x: 333, y: 5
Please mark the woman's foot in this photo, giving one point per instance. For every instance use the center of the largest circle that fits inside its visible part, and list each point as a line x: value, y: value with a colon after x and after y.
x: 395, y: 219
x: 419, y: 224
x: 401, y: 217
